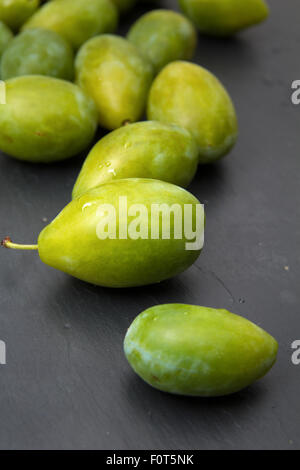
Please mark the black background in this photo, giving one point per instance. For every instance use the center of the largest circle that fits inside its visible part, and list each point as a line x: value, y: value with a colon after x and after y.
x: 67, y: 384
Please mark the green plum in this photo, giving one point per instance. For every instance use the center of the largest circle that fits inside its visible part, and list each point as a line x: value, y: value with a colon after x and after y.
x: 15, y: 12
x: 123, y: 234
x: 140, y: 150
x: 45, y: 119
x: 191, y: 97
x: 76, y: 20
x: 38, y: 52
x: 163, y: 36
x: 117, y: 76
x: 200, y: 351
x: 124, y: 5
x: 6, y: 36
x: 224, y: 17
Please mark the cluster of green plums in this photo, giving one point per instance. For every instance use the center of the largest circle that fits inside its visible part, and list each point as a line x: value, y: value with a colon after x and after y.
x: 66, y: 72
x: 146, y: 72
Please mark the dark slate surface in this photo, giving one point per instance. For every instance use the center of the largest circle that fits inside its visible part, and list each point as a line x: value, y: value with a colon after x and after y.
x: 66, y: 383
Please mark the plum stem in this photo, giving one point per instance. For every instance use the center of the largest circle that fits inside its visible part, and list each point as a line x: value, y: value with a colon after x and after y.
x: 7, y: 243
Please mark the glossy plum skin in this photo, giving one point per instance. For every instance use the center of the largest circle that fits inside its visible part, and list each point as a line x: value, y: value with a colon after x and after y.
x: 117, y: 76
x: 71, y: 243
x: 199, y: 351
x: 38, y: 52
x: 164, y: 36
x: 140, y: 150
x: 6, y: 36
x: 15, y: 12
x: 76, y: 20
x: 193, y: 98
x: 45, y: 119
x: 224, y: 17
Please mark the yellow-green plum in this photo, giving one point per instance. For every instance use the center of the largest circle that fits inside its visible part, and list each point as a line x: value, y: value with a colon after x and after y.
x: 200, y: 351
x: 224, y: 17
x: 45, y: 119
x: 123, y: 234
x: 15, y: 12
x: 38, y: 52
x: 76, y: 20
x: 124, y: 5
x: 140, y: 150
x: 117, y: 76
x: 191, y: 97
x: 6, y: 36
x: 164, y: 36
